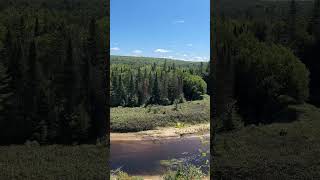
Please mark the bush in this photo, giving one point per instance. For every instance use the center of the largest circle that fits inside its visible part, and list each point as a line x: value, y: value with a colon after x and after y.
x: 186, y: 173
x: 194, y: 87
x: 264, y: 74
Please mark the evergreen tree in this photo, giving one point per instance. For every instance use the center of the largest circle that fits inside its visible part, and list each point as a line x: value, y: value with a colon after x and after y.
x: 292, y: 21
x: 30, y: 99
x: 132, y: 99
x: 155, y: 94
x: 5, y: 103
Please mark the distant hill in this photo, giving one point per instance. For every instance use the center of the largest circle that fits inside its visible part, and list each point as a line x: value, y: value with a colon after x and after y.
x: 132, y: 60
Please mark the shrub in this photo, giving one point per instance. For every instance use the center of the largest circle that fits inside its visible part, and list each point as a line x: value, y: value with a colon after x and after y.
x: 264, y: 74
x: 194, y: 87
x: 186, y: 173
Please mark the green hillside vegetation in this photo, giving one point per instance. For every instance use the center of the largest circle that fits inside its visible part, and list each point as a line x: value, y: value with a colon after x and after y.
x: 140, y: 61
x: 126, y: 119
x: 137, y: 81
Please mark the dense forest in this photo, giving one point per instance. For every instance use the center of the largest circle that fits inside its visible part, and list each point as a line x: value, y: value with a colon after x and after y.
x: 53, y: 71
x: 137, y: 81
x: 267, y: 59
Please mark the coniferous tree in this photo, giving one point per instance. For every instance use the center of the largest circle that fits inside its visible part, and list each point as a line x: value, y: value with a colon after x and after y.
x: 155, y: 94
x: 292, y: 21
x: 31, y: 97
x: 5, y: 103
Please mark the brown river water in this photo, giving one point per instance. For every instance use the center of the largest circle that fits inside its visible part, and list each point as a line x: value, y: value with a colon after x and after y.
x: 143, y: 157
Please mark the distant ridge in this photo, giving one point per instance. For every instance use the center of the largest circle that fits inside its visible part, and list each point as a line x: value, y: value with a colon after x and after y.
x: 150, y: 60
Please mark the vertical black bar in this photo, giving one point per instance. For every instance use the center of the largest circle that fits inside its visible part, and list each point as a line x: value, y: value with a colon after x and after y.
x: 108, y: 87
x: 212, y: 87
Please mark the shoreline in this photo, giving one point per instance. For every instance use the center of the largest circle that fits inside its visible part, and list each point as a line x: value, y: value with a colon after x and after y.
x: 163, y: 133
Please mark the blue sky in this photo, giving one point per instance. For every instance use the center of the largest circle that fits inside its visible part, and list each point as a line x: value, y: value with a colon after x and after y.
x: 177, y: 29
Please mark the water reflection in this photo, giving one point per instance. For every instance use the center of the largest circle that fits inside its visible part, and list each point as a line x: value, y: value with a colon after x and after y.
x: 143, y: 157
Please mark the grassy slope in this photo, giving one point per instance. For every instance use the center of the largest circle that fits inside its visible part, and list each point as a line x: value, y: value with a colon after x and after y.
x: 140, y: 118
x: 260, y: 152
x: 53, y: 162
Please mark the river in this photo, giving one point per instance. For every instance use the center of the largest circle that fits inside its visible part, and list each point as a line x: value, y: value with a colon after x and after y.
x: 143, y: 157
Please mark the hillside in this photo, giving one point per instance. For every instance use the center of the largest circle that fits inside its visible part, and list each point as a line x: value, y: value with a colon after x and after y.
x: 140, y: 61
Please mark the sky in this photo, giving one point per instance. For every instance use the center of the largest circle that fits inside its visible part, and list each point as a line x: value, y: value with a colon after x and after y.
x: 175, y: 29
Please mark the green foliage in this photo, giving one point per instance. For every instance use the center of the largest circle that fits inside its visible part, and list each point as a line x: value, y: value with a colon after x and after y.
x: 120, y: 175
x: 161, y: 83
x: 136, y: 119
x: 52, y: 51
x: 264, y: 72
x: 185, y: 173
x: 284, y: 148
x: 32, y: 161
x: 194, y: 87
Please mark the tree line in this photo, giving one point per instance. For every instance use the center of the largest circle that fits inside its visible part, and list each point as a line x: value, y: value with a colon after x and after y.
x: 52, y: 73
x: 164, y: 83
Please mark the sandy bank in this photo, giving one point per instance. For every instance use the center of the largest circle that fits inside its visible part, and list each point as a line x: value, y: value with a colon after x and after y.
x: 162, y: 133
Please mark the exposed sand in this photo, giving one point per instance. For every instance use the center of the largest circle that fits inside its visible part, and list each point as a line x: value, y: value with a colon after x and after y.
x: 162, y: 133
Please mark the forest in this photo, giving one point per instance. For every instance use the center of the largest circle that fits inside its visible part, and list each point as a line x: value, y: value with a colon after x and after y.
x: 266, y: 56
x: 53, y: 71
x: 266, y: 89
x: 142, y: 81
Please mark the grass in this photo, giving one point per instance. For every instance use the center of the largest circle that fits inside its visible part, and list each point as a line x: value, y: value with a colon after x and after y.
x: 182, y: 173
x: 276, y: 151
x: 139, y: 118
x: 53, y: 162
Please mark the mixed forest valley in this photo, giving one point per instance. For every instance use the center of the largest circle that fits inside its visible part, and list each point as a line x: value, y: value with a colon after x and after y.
x: 154, y: 99
x: 264, y: 85
x: 265, y: 89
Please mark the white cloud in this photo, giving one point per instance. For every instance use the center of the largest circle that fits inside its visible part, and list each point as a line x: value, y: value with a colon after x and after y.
x: 190, y: 45
x: 180, y: 21
x: 137, y: 51
x: 161, y: 51
x: 185, y: 55
x: 198, y: 58
x: 115, y: 49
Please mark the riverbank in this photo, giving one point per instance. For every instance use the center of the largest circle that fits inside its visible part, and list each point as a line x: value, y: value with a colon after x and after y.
x: 124, y: 119
x: 159, y: 177
x: 180, y: 130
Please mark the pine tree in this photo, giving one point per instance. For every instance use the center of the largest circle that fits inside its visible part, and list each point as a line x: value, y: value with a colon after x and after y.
x: 132, y: 100
x: 69, y: 78
x: 30, y: 100
x: 5, y: 103
x: 121, y: 94
x: 36, y: 28
x: 155, y: 94
x: 314, y: 27
x: 292, y: 21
